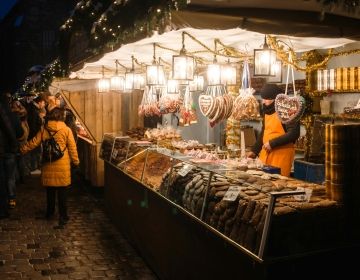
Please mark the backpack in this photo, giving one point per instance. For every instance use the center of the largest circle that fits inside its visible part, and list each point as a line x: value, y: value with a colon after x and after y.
x: 51, y: 149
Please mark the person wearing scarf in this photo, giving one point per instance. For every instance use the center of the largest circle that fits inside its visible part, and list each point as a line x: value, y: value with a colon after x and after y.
x: 275, y: 143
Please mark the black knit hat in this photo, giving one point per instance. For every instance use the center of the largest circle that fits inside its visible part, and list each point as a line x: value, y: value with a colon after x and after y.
x: 269, y: 91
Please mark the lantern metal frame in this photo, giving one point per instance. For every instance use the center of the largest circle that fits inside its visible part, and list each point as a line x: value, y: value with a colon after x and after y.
x: 132, y: 79
x: 183, y: 64
x: 155, y: 75
x: 211, y: 68
x: 103, y: 83
x: 263, y: 60
x: 117, y: 82
x: 228, y: 74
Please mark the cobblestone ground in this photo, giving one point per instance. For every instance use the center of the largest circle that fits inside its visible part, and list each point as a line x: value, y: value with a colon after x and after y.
x: 88, y: 247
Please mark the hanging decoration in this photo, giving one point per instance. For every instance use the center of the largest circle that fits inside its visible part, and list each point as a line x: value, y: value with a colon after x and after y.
x: 216, y: 104
x: 289, y: 109
x: 246, y: 107
x: 169, y: 102
x: 187, y: 110
x: 149, y: 103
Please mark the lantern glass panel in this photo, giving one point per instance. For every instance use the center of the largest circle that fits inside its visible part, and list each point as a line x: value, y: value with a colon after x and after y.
x: 214, y: 74
x: 155, y: 75
x: 228, y: 75
x: 103, y: 85
x: 117, y: 83
x: 183, y: 67
x: 263, y: 61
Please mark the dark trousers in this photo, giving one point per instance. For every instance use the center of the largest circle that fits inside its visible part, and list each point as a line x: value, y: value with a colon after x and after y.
x: 3, y: 189
x: 51, y: 198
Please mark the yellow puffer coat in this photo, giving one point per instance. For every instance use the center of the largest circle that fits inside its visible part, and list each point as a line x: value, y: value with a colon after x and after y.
x: 56, y: 173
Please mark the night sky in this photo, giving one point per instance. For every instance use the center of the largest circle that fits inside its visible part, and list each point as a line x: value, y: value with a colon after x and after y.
x: 5, y: 6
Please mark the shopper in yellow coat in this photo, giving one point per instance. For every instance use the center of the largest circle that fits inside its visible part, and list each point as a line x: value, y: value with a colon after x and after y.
x: 56, y: 175
x: 275, y: 144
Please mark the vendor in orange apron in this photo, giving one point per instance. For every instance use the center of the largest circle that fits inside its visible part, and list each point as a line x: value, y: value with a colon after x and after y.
x: 275, y: 143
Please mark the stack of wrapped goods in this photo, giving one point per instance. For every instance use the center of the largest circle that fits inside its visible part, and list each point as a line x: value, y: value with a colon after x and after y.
x: 342, y: 168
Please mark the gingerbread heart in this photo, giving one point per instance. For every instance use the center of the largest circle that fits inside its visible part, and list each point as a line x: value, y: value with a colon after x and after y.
x: 206, y: 103
x: 289, y: 109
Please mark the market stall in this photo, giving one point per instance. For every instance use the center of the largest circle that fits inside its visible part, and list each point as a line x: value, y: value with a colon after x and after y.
x: 184, y: 193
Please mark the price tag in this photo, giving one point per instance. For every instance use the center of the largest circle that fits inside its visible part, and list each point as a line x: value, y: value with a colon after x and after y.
x: 232, y: 193
x: 303, y: 197
x: 114, y: 154
x: 185, y: 170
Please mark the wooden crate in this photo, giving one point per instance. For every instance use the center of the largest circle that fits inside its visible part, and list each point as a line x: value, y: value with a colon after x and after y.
x: 99, y: 113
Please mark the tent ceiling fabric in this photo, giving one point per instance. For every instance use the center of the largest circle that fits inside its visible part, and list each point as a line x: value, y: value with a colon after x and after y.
x: 237, y: 38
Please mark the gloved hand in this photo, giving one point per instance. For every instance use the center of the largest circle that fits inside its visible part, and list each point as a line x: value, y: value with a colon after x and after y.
x: 75, y: 169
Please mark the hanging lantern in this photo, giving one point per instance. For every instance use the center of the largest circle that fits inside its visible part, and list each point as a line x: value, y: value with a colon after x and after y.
x: 132, y: 80
x: 197, y: 84
x: 228, y: 74
x: 263, y: 60
x: 117, y: 82
x: 103, y: 83
x: 183, y: 64
x: 155, y: 73
x: 214, y: 73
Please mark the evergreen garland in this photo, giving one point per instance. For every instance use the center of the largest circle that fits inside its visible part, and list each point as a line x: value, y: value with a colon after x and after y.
x: 351, y: 6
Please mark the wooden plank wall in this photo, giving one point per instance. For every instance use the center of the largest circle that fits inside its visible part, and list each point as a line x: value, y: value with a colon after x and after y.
x: 112, y: 112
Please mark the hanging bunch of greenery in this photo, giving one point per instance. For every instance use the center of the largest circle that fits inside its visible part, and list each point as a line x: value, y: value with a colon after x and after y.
x: 40, y: 81
x: 131, y: 20
x: 351, y: 6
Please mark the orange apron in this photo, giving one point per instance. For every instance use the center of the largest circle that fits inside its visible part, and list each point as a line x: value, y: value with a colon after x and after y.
x: 282, y: 156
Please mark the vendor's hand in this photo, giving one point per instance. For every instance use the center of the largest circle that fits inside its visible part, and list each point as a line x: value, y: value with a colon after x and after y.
x: 267, y: 147
x: 250, y: 155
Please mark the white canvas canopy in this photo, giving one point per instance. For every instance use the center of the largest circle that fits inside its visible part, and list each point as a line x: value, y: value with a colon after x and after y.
x: 237, y: 38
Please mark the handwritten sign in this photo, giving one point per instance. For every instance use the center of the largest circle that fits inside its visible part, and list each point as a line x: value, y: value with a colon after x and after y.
x: 232, y: 193
x: 303, y: 197
x: 185, y: 170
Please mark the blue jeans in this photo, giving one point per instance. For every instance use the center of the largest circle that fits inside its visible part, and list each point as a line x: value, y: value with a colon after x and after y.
x: 10, y: 174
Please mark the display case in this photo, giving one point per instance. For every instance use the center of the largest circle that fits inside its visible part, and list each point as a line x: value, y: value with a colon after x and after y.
x: 118, y: 149
x: 267, y: 215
